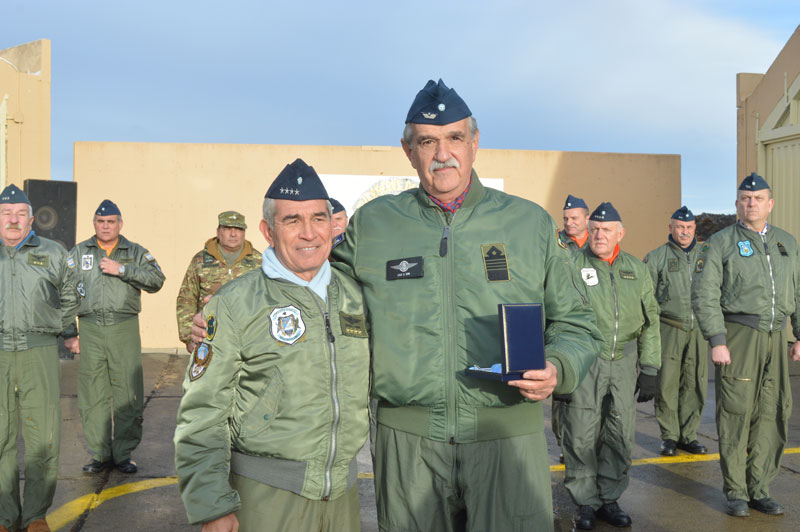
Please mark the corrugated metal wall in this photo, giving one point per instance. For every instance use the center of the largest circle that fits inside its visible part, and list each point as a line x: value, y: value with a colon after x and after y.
x: 783, y: 171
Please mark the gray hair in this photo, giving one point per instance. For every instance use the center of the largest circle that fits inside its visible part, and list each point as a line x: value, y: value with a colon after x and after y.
x: 269, y: 207
x: 408, y: 131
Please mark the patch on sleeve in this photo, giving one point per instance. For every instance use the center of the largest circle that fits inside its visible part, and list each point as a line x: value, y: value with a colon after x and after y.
x: 149, y: 256
x: 200, y: 361
x: 558, y: 239
x: 81, y: 289
x: 211, y: 327
x: 353, y: 325
x: 704, y: 248
x: 699, y: 266
x: 70, y: 263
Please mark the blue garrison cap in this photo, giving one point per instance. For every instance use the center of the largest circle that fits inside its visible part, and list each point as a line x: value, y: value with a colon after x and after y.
x: 574, y: 203
x: 605, y: 212
x: 107, y: 208
x: 437, y: 104
x: 297, y: 182
x: 753, y: 182
x: 337, y: 207
x: 13, y: 194
x: 683, y: 214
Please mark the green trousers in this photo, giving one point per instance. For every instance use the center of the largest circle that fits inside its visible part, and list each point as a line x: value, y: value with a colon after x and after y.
x: 111, y: 368
x: 424, y: 485
x: 682, y: 383
x: 598, y: 431
x: 30, y: 388
x: 754, y: 402
x: 555, y: 419
x: 268, y: 509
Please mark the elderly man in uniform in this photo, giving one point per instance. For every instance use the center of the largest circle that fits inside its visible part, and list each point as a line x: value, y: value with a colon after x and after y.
x: 746, y: 285
x: 38, y: 303
x: 224, y: 257
x: 683, y: 379
x: 277, y: 391
x: 112, y: 272
x: 598, y: 424
x: 434, y: 266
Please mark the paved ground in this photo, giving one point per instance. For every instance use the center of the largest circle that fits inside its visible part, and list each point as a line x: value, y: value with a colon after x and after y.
x: 665, y: 494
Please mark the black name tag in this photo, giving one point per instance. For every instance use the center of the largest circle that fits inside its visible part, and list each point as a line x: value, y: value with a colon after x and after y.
x: 782, y: 249
x: 409, y: 268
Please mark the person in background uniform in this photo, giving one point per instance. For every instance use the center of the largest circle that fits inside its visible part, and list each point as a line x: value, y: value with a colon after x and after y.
x: 224, y: 257
x: 277, y: 391
x: 112, y: 271
x: 38, y: 303
x: 683, y: 379
x: 746, y: 285
x: 433, y: 269
x: 574, y: 236
x: 598, y: 424
x: 338, y: 218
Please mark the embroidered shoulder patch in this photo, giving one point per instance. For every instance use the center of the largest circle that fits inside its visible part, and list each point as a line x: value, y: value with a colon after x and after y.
x: 70, y: 263
x: 558, y: 239
x: 200, y: 361
x: 211, y: 327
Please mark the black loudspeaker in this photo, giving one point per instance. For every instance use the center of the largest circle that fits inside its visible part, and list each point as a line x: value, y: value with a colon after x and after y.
x: 54, y: 209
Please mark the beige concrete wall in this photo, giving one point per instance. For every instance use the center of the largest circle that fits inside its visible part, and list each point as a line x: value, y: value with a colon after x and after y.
x: 25, y: 79
x: 170, y: 194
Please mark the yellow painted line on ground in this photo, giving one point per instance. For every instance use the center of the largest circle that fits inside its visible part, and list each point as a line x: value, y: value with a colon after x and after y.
x: 73, y: 509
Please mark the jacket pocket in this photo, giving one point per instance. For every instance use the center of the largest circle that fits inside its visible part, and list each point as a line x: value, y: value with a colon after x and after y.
x: 264, y: 409
x: 735, y: 394
x: 662, y: 292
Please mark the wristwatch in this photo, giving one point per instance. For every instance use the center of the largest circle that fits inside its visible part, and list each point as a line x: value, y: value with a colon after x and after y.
x: 121, y: 270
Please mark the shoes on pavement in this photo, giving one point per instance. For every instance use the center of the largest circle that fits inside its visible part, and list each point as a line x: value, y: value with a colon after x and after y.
x: 38, y: 525
x: 584, y: 519
x: 737, y: 508
x: 612, y: 514
x: 561, y: 457
x: 766, y: 506
x: 127, y: 466
x: 668, y: 447
x: 693, y: 447
x: 96, y: 466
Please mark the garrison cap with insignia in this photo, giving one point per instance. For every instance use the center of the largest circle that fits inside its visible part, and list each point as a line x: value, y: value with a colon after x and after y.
x: 683, y: 214
x: 437, y: 104
x: 337, y: 207
x: 753, y: 182
x: 107, y: 208
x: 574, y: 203
x: 231, y: 219
x: 605, y: 212
x: 297, y: 182
x: 13, y: 194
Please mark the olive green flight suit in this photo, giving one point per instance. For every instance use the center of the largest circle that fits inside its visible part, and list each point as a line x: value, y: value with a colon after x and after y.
x: 683, y: 379
x: 745, y: 287
x: 598, y: 425
x: 38, y: 302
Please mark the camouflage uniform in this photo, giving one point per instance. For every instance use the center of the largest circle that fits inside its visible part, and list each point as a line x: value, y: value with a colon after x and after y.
x: 207, y: 272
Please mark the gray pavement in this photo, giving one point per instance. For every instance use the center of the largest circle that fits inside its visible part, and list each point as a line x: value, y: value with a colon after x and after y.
x: 662, y: 496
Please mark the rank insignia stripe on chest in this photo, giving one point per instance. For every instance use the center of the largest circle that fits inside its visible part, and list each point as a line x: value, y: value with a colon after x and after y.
x: 353, y: 325
x: 286, y: 324
x: 627, y: 275
x: 200, y: 361
x: 745, y: 248
x: 407, y: 268
x: 39, y: 260
x: 782, y: 249
x: 495, y: 262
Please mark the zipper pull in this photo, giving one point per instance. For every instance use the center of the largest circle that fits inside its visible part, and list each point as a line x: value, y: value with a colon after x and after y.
x: 443, y: 243
x: 331, y: 339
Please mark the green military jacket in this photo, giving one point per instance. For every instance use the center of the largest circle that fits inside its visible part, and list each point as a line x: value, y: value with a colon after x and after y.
x: 744, y: 277
x: 109, y: 299
x: 626, y: 309
x: 38, y: 298
x: 206, y: 273
x: 571, y: 244
x: 281, y: 376
x: 671, y: 269
x: 433, y: 281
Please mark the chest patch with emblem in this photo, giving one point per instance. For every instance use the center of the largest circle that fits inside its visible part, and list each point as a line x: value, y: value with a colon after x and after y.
x: 495, y: 262
x: 39, y: 260
x: 589, y: 276
x: 286, y: 324
x: 408, y: 268
x: 353, y: 325
x: 745, y: 249
x: 700, y: 264
x: 627, y: 275
x: 87, y: 262
x: 672, y: 265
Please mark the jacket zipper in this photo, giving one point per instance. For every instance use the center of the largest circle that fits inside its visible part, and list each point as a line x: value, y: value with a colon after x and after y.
x: 616, y: 314
x: 326, y: 492
x: 450, y: 353
x: 771, y: 279
x: 691, y: 312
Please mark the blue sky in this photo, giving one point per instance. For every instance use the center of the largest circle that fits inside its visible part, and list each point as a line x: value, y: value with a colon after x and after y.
x: 623, y: 76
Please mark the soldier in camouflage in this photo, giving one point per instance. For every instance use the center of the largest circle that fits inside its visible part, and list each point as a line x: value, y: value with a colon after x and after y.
x: 224, y: 257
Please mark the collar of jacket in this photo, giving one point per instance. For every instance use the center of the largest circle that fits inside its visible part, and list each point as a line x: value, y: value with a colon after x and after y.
x: 122, y: 243
x: 212, y: 248
x: 474, y: 196
x: 742, y: 227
